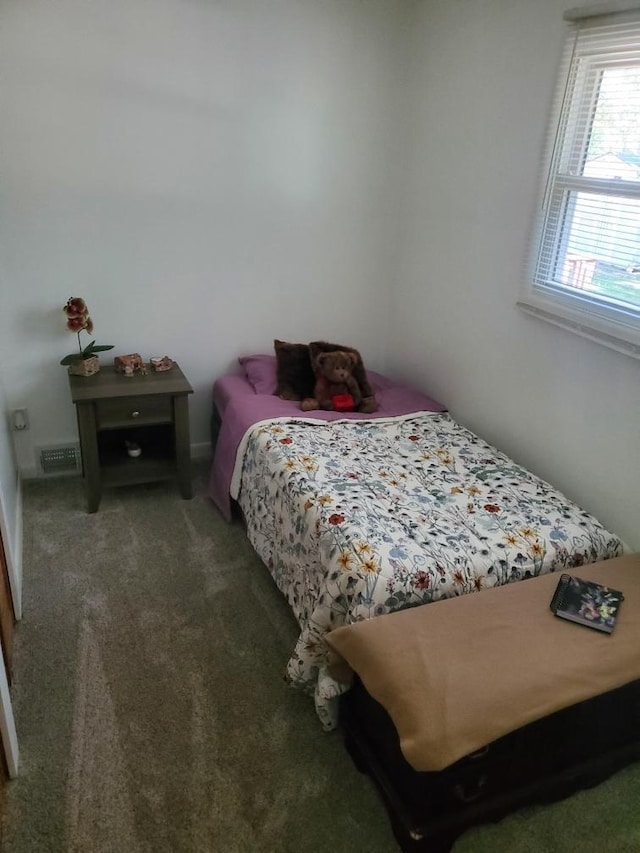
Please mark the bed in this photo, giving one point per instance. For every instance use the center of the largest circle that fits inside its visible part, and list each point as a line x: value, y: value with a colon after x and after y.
x: 359, y: 516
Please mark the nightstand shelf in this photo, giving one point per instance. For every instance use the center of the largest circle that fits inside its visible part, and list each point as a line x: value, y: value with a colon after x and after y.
x: 132, y: 471
x: 150, y: 410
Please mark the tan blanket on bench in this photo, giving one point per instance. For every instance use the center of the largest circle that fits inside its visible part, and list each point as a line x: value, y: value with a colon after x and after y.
x: 457, y: 674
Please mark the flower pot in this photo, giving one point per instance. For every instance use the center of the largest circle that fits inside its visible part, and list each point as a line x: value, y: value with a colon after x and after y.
x: 85, y: 366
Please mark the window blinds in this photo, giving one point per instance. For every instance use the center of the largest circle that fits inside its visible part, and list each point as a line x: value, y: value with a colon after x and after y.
x: 590, y: 239
x: 584, y: 263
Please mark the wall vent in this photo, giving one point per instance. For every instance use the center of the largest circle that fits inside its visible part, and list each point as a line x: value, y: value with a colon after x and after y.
x: 60, y: 460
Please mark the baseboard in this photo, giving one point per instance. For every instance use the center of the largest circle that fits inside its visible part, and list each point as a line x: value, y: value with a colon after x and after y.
x: 201, y: 450
x: 11, y: 530
x: 17, y: 557
x: 30, y: 473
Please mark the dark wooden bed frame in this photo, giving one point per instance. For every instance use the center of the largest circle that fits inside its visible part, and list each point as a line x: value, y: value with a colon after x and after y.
x: 545, y: 761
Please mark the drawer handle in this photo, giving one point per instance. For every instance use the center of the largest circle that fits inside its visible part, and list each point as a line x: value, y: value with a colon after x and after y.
x: 135, y: 414
x: 468, y: 796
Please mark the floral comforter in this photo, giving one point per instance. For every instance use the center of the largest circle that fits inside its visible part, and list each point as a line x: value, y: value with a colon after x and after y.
x: 359, y: 518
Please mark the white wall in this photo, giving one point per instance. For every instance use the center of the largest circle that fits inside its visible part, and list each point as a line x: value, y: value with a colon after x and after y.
x: 207, y: 174
x: 567, y: 408
x: 10, y: 487
x: 210, y: 174
x: 10, y: 504
x: 11, y: 534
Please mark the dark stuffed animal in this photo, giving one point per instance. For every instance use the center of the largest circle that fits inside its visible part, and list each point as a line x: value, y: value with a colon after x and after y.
x: 336, y: 389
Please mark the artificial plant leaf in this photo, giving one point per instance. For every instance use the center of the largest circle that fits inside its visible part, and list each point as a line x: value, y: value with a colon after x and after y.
x: 69, y: 359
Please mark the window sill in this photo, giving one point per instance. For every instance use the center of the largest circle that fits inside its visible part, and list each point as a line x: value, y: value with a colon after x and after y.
x: 619, y: 336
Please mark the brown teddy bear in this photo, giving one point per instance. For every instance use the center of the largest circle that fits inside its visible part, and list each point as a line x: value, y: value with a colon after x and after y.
x: 336, y: 389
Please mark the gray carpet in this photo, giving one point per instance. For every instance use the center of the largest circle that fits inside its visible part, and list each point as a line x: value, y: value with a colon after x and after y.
x: 152, y: 714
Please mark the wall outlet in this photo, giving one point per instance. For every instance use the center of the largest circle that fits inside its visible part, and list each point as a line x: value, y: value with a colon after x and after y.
x: 20, y: 419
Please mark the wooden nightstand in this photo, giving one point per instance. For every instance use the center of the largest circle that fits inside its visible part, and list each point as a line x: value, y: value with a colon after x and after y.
x: 151, y: 410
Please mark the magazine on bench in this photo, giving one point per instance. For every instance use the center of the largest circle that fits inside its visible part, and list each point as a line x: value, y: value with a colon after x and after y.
x: 586, y: 602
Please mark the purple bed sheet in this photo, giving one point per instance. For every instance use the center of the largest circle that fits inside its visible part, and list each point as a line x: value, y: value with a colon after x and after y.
x: 240, y: 408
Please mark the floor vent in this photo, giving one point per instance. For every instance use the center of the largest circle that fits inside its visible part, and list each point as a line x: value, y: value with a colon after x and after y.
x: 60, y: 460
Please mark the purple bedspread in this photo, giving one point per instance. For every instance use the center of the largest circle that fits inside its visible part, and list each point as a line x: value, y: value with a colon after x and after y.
x: 240, y: 408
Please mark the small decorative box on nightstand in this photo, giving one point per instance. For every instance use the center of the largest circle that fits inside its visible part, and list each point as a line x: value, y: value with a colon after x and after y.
x: 116, y: 411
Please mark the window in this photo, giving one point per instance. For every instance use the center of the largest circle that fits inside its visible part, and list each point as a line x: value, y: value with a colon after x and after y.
x: 586, y: 255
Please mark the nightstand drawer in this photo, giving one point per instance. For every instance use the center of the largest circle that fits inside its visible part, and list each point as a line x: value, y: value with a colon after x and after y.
x: 123, y: 411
